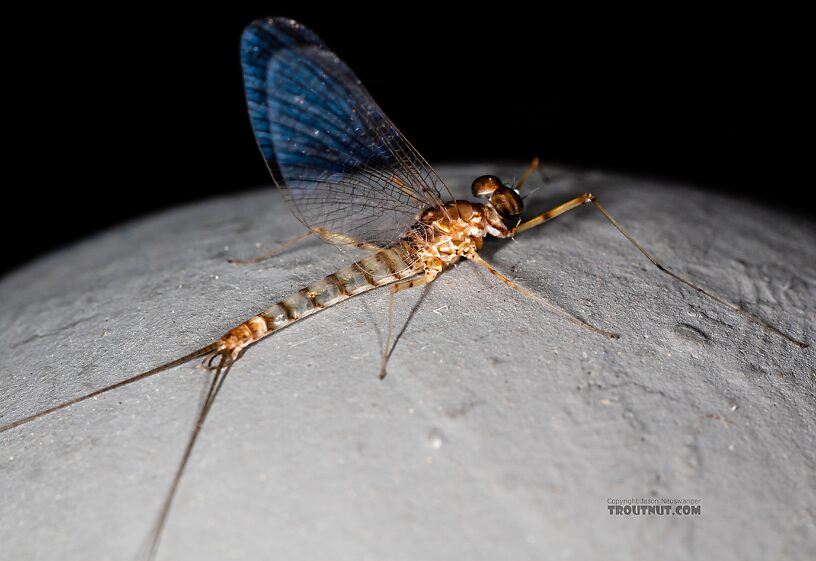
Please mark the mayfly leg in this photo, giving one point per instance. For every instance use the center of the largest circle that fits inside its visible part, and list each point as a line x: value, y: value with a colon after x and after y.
x: 548, y: 305
x: 590, y: 198
x: 411, y: 283
x: 331, y: 237
x: 341, y: 239
x: 272, y: 253
x: 534, y: 165
x: 219, y: 375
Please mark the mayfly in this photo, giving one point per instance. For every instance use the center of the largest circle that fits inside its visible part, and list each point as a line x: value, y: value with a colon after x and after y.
x: 354, y: 180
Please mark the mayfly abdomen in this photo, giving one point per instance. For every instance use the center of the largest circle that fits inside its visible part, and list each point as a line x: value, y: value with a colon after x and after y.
x: 382, y: 268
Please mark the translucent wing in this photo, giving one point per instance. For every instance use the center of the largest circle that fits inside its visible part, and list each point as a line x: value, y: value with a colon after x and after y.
x: 345, y: 167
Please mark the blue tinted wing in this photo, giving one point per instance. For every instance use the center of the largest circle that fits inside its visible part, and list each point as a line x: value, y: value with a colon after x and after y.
x: 345, y: 167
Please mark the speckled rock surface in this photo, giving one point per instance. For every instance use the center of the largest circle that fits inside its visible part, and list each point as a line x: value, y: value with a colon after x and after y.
x: 501, y: 431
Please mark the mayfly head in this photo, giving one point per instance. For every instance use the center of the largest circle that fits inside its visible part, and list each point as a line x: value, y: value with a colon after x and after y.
x: 503, y: 198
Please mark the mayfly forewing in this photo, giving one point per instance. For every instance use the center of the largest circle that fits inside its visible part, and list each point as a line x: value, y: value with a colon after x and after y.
x: 345, y: 168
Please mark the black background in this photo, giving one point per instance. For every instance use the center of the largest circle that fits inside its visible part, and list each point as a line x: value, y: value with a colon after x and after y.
x: 111, y: 115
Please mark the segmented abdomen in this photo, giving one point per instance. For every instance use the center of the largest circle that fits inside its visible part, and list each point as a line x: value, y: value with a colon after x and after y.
x: 382, y: 268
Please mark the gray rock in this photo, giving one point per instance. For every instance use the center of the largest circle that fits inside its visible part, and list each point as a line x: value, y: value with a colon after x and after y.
x: 501, y: 431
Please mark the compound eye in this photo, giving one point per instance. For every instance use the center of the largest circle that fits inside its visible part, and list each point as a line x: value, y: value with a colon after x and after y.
x: 485, y: 186
x: 507, y: 203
